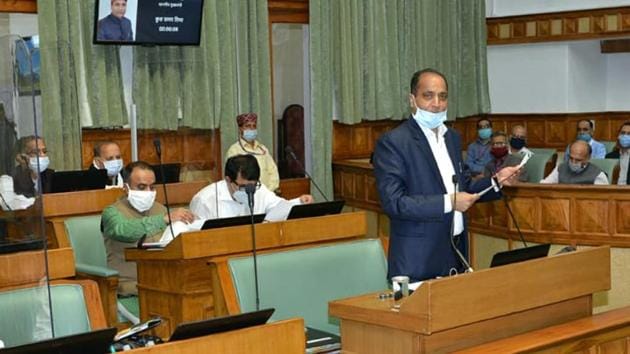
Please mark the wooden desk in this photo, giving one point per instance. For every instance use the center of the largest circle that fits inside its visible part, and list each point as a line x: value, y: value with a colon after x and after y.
x: 278, y: 337
x: 607, y: 332
x: 183, y: 282
x: 457, y: 312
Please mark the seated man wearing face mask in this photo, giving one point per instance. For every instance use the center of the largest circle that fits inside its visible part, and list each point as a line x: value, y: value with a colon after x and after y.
x: 107, y: 156
x: 585, y: 129
x: 577, y: 170
x: 501, y: 157
x: 227, y: 198
x: 622, y: 152
x: 248, y: 145
x: 133, y: 217
x: 32, y: 170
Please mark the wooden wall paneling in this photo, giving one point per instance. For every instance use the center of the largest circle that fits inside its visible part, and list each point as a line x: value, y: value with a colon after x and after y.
x: 288, y: 11
x: 554, y: 215
x: 591, y: 216
x: 622, y: 221
x: 535, y: 132
x: 526, y: 214
x: 561, y: 26
x: 25, y: 6
x: 195, y: 149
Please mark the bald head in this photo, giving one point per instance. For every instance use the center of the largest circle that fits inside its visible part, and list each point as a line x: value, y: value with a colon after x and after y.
x: 580, y: 151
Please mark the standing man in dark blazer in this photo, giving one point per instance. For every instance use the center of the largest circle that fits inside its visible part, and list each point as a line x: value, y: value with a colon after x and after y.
x: 415, y: 165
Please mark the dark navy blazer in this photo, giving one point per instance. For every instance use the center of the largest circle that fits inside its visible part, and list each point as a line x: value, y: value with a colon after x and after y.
x: 112, y: 28
x: 412, y: 192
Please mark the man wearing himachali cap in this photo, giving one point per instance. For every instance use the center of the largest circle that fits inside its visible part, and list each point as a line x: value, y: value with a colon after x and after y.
x: 248, y: 145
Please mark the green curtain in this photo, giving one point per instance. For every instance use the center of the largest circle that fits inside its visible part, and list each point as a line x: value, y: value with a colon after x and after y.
x: 81, y: 83
x: 321, y: 56
x: 380, y: 44
x: 207, y: 86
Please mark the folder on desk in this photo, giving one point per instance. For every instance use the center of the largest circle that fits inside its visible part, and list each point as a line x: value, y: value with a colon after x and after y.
x: 316, y: 209
x: 321, y: 342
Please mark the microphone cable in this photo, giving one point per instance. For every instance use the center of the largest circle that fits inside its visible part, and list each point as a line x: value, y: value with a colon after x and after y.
x: 461, y: 257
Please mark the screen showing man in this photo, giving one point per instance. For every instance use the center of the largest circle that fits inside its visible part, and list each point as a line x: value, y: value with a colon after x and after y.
x: 115, y: 26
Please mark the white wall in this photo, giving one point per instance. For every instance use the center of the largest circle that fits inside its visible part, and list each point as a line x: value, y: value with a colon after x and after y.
x: 587, y: 77
x: 618, y: 82
x: 528, y: 78
x: 557, y: 77
x: 24, y: 25
x: 500, y: 8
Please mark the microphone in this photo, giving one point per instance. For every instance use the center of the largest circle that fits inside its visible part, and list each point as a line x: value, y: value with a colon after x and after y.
x: 289, y: 151
x: 250, y: 189
x: 459, y: 255
x: 507, y: 206
x: 158, y: 151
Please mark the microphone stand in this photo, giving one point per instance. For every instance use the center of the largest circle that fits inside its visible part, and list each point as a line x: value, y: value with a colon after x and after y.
x: 507, y: 206
x: 452, y: 235
x: 250, y: 189
x: 289, y: 151
x: 158, y: 151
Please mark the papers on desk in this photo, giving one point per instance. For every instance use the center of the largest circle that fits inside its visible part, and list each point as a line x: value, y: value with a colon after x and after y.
x: 179, y: 227
x: 281, y: 211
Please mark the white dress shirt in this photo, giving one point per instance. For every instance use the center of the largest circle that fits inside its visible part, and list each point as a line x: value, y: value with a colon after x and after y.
x: 445, y: 165
x: 215, y: 201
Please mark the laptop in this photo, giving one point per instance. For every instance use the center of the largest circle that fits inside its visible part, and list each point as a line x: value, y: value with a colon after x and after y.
x: 171, y: 173
x: 520, y: 255
x: 316, y: 209
x: 220, y: 324
x: 233, y: 221
x: 12, y: 246
x: 97, y: 342
x: 321, y: 342
x: 81, y: 180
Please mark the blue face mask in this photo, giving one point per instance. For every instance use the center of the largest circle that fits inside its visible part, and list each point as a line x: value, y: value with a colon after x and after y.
x: 429, y: 119
x: 484, y: 133
x: 585, y: 137
x: 624, y: 141
x: 250, y: 134
x: 113, y: 167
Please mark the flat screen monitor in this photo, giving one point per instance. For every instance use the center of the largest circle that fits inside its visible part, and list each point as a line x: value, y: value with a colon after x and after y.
x: 520, y: 255
x: 98, y: 341
x: 171, y: 173
x: 316, y: 209
x: 148, y: 22
x: 234, y: 221
x: 12, y: 246
x: 81, y: 180
x: 220, y: 324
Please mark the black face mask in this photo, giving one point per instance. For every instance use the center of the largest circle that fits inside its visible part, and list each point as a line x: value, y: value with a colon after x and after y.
x: 517, y: 143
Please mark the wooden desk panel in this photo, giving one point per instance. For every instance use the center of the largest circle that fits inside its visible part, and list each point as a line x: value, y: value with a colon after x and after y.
x: 608, y: 332
x: 278, y: 337
x: 23, y: 268
x: 452, y: 313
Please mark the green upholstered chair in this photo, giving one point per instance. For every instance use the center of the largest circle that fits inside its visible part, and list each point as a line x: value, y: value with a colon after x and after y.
x: 536, y: 164
x: 25, y: 313
x: 610, y: 145
x: 544, y: 151
x: 608, y: 166
x: 84, y: 234
x: 300, y: 283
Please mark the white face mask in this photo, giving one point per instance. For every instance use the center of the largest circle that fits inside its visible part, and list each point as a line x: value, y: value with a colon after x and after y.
x: 113, y: 167
x: 241, y: 197
x: 141, y: 200
x: 429, y: 119
x: 44, y: 161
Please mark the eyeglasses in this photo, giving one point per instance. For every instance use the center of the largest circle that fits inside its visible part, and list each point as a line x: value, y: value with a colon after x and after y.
x: 242, y: 187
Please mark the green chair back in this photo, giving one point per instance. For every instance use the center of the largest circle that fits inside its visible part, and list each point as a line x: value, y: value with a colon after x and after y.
x: 84, y: 234
x: 610, y: 145
x: 606, y: 165
x: 25, y: 316
x: 300, y: 283
x: 536, y: 164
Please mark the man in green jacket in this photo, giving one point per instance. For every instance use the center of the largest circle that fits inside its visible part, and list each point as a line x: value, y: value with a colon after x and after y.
x: 132, y: 217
